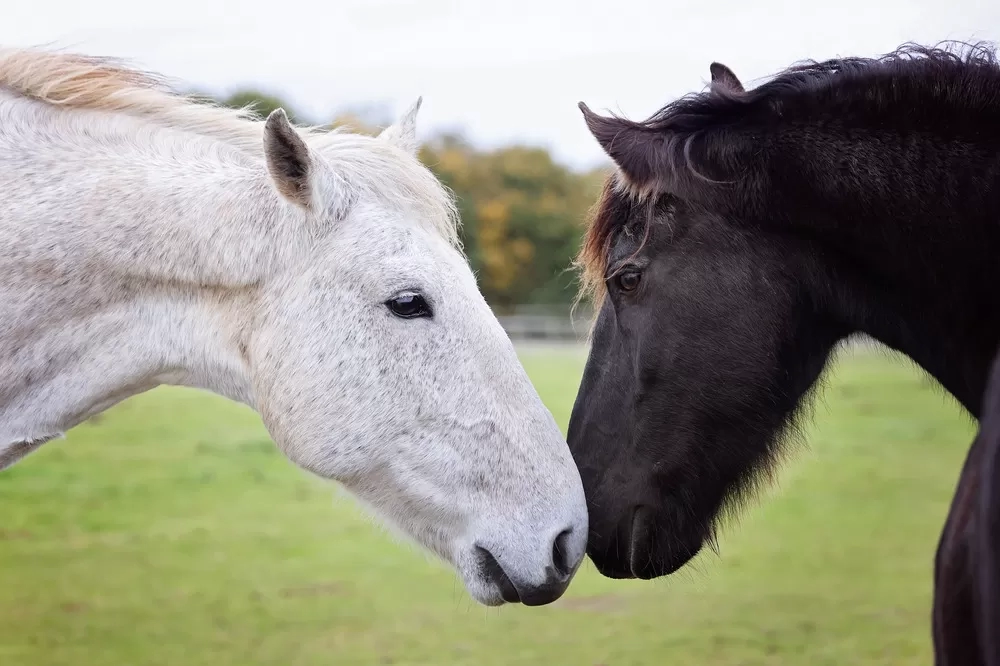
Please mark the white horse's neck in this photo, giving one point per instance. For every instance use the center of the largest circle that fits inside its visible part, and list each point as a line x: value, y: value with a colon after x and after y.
x: 109, y: 232
x: 118, y: 190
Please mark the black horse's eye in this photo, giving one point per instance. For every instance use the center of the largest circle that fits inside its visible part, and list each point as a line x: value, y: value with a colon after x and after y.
x: 408, y: 306
x: 629, y: 280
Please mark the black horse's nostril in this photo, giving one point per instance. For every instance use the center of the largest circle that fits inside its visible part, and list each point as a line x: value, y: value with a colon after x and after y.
x: 493, y: 571
x: 560, y: 553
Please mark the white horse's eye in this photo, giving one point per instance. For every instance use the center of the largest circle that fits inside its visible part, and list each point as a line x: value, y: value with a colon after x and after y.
x: 409, y: 306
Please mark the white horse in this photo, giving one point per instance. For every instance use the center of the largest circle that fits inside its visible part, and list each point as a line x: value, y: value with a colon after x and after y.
x: 147, y: 238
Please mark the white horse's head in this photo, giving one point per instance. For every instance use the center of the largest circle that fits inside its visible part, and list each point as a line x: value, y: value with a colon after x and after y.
x: 377, y: 362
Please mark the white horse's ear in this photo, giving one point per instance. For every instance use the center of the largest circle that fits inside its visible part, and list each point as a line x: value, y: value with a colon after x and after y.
x: 288, y: 159
x: 403, y: 132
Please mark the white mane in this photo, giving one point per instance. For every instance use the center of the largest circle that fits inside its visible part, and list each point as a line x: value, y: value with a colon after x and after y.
x: 95, y: 83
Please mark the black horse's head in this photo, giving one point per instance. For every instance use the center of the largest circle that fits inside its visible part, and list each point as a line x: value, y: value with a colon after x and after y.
x: 704, y: 343
x: 707, y: 337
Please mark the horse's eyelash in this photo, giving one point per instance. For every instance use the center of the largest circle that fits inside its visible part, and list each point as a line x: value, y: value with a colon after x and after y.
x: 622, y: 269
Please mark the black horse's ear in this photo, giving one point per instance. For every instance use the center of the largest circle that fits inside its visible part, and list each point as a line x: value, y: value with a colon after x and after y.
x: 632, y: 147
x: 724, y: 77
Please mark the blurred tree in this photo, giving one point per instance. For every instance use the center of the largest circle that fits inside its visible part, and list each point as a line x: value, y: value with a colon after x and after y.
x: 367, y: 118
x: 522, y: 214
x: 356, y: 122
x: 261, y: 102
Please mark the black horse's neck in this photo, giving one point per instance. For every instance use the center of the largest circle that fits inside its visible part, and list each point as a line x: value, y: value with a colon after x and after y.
x: 890, y: 169
x: 912, y: 236
x: 954, y: 347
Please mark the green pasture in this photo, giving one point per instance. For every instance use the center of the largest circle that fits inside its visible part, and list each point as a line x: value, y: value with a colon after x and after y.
x: 171, y: 531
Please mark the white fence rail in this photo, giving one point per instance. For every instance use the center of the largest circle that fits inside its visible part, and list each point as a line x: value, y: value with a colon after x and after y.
x: 555, y: 324
x: 546, y: 324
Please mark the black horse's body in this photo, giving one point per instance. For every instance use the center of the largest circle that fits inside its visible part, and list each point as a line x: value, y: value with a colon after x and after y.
x: 746, y: 233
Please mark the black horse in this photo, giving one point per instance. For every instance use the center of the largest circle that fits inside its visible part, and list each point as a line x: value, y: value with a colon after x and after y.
x: 744, y: 235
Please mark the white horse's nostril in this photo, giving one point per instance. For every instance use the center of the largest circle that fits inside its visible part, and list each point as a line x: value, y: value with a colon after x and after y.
x: 562, y: 559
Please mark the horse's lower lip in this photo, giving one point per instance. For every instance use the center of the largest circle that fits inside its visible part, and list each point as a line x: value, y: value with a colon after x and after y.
x: 618, y: 575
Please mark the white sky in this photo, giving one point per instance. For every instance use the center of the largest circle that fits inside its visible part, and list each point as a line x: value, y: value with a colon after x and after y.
x: 499, y: 70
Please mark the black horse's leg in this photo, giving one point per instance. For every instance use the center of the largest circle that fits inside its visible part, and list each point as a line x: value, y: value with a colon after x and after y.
x: 966, y: 616
x: 987, y: 532
x: 955, y: 638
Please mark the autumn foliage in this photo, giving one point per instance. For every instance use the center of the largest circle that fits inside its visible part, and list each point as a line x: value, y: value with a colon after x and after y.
x: 523, y: 214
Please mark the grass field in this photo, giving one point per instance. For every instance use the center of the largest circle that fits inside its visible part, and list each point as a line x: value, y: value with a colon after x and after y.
x: 171, y: 531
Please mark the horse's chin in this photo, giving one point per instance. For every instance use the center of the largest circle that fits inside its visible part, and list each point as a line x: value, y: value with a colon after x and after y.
x: 487, y: 595
x: 645, y: 569
x: 610, y: 570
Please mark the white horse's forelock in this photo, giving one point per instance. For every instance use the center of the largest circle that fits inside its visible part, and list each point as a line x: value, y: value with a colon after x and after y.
x: 106, y: 84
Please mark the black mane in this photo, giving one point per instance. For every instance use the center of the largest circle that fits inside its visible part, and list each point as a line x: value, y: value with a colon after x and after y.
x: 965, y: 77
x: 705, y: 140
